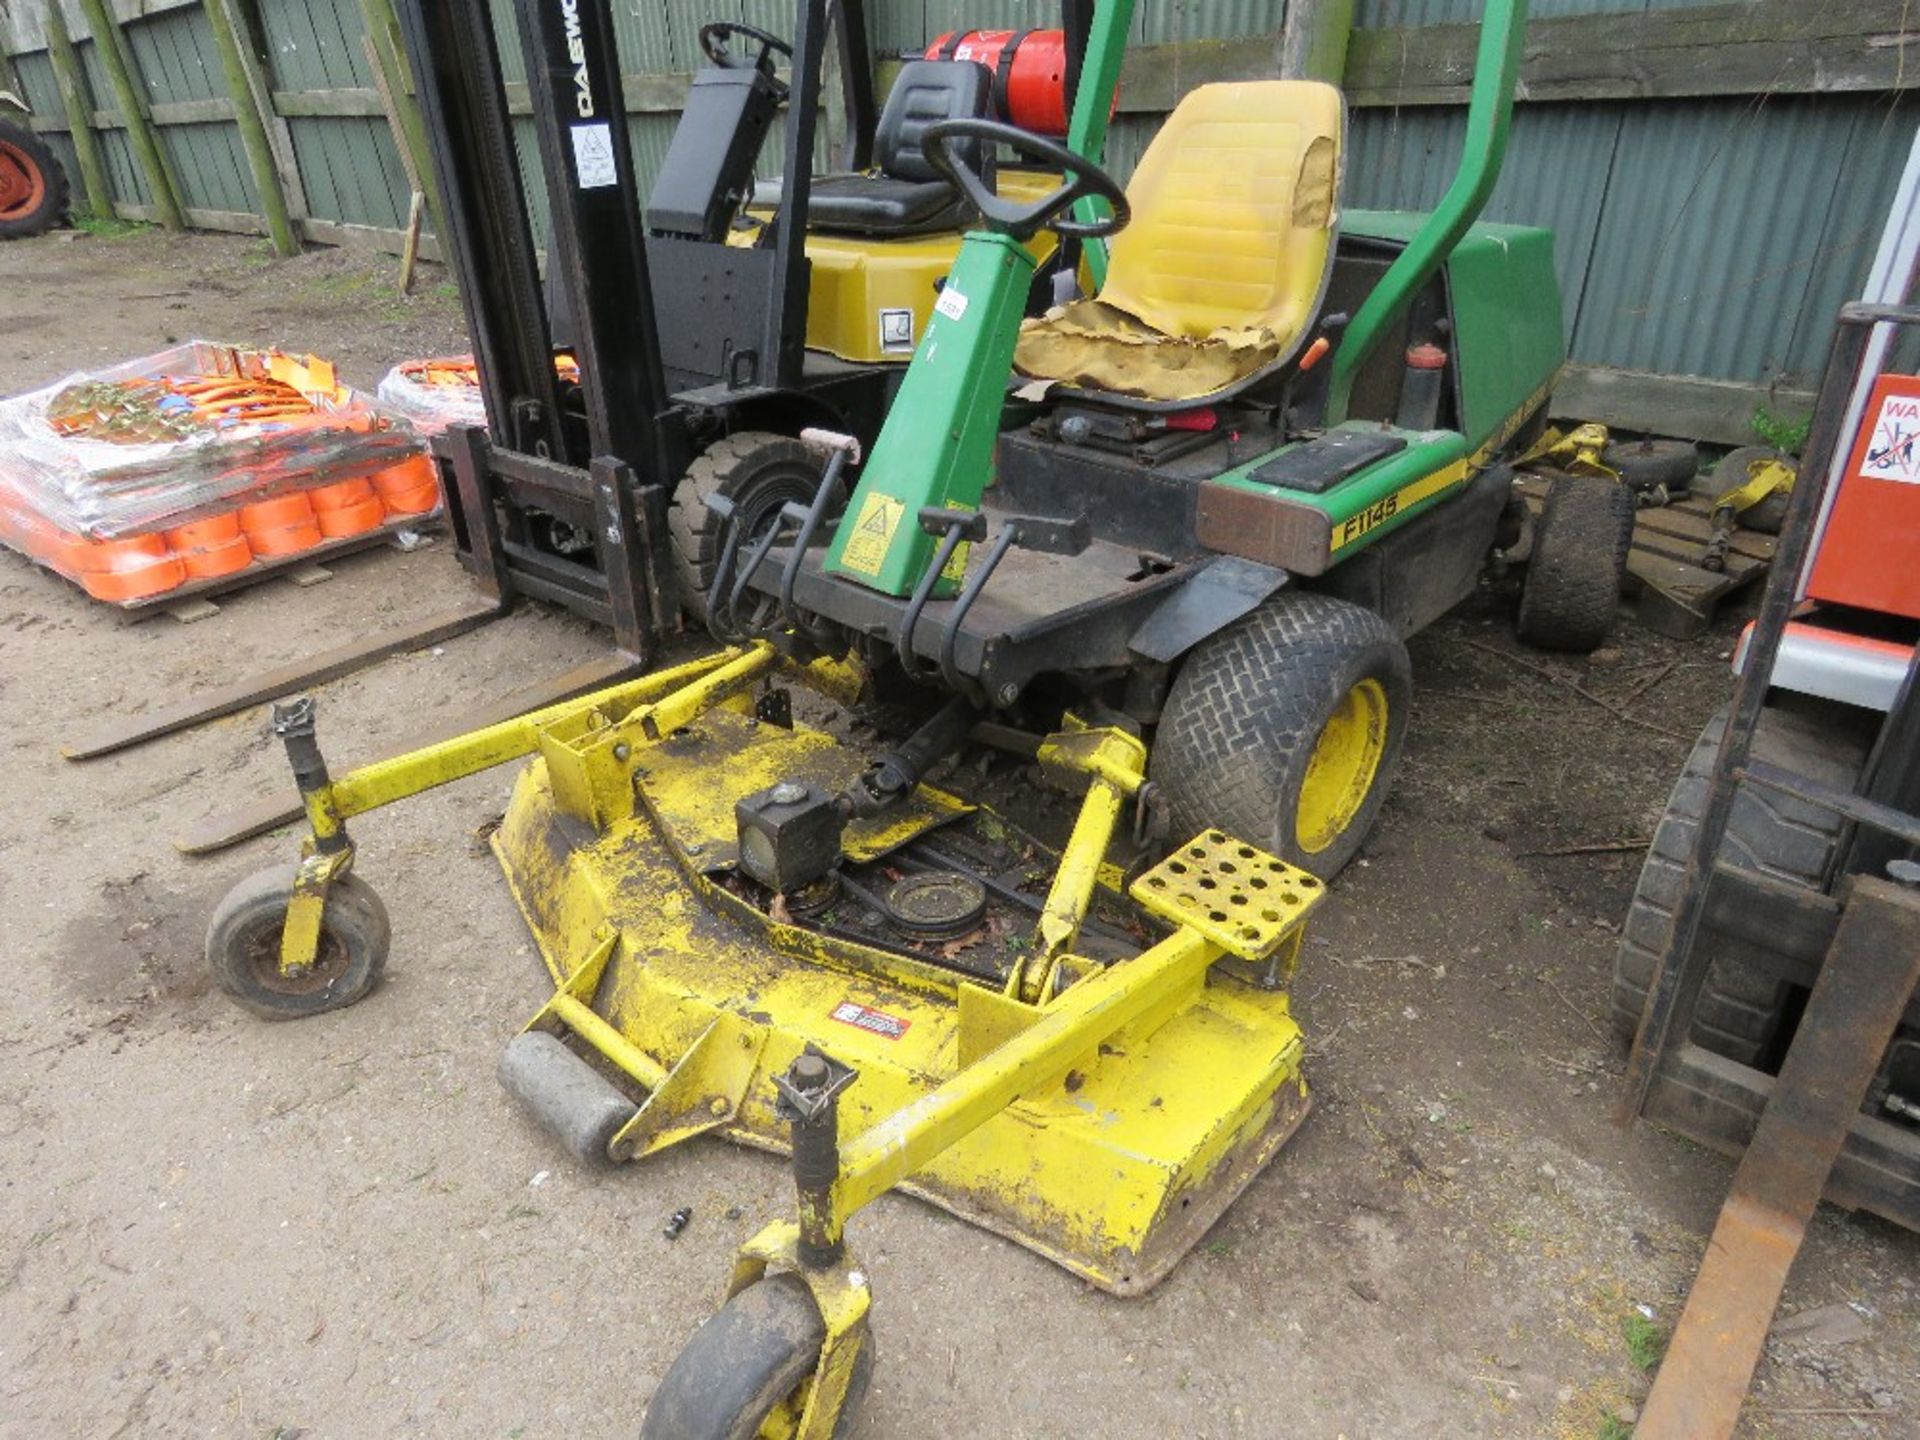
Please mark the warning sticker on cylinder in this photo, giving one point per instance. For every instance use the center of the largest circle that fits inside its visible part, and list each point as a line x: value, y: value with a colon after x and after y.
x: 872, y: 533
x: 593, y: 155
x: 875, y: 1022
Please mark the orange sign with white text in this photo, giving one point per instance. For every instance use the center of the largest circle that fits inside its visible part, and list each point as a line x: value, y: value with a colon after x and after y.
x: 1870, y: 553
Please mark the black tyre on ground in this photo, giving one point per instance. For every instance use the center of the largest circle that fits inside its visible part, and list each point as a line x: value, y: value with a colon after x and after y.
x: 1578, y: 564
x: 243, y: 947
x: 1743, y: 1002
x: 1736, y: 468
x: 759, y: 472
x: 746, y: 1366
x: 1647, y: 464
x: 1285, y: 729
x: 33, y: 187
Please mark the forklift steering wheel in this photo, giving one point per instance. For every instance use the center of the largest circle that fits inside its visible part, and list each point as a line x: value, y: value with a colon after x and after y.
x: 1084, y: 178
x: 715, y: 34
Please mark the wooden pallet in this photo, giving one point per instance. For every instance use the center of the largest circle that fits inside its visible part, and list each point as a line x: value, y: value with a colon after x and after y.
x: 1675, y: 595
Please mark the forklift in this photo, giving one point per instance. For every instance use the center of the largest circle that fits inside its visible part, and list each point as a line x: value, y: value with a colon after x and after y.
x: 695, y: 316
x: 1164, y: 540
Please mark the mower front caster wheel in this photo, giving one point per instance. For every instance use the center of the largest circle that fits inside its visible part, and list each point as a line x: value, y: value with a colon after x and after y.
x: 243, y: 947
x: 745, y: 1371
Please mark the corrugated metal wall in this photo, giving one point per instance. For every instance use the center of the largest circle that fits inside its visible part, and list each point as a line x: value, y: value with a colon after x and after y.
x: 1695, y: 237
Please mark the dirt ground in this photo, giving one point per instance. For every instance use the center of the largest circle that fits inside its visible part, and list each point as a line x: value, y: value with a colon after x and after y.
x: 212, y: 1226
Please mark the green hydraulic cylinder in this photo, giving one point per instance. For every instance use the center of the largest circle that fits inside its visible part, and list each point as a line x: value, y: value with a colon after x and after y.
x: 937, y: 445
x: 1092, y: 106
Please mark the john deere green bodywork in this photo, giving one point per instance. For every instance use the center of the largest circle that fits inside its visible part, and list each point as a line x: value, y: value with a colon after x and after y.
x: 937, y: 445
x: 1505, y: 357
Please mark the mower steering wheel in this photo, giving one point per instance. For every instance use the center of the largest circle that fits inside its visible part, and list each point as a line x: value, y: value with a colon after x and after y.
x: 715, y: 34
x: 1083, y: 178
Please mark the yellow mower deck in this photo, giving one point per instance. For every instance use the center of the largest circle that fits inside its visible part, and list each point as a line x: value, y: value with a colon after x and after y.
x: 1112, y: 1165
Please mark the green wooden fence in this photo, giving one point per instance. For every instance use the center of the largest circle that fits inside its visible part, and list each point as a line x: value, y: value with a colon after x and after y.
x: 1716, y: 173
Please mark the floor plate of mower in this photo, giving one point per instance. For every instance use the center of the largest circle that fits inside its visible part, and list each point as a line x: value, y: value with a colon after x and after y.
x: 693, y: 779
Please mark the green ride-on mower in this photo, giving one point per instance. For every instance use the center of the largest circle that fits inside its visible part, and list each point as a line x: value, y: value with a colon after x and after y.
x: 1176, y: 569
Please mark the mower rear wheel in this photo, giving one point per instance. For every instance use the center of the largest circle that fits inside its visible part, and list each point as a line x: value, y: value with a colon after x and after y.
x: 1578, y: 565
x: 744, y: 1372
x: 33, y: 187
x: 243, y: 947
x: 759, y: 472
x: 1738, y: 467
x: 1648, y: 464
x: 1285, y: 729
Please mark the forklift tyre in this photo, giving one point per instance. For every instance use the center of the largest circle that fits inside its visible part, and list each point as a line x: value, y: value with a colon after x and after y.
x: 1578, y: 565
x: 1743, y: 1003
x: 744, y: 1366
x: 1285, y: 729
x: 759, y: 472
x: 243, y: 947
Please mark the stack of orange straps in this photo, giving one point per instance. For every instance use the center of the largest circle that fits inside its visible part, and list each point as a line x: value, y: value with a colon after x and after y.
x: 293, y: 514
x: 445, y: 390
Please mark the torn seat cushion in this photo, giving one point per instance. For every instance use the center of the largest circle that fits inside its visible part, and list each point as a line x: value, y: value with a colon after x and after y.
x: 1222, y: 269
x: 1091, y: 345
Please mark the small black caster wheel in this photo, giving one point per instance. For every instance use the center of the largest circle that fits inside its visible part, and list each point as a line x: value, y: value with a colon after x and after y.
x: 243, y: 947
x: 744, y: 1372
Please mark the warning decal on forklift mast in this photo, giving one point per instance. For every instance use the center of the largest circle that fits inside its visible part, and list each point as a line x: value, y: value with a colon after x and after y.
x: 593, y: 155
x: 872, y: 533
x: 874, y: 1022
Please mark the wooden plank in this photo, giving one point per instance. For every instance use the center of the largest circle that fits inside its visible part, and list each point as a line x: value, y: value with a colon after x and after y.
x: 230, y: 39
x: 72, y: 81
x: 296, y: 104
x: 282, y: 807
x: 365, y: 238
x: 257, y: 689
x: 279, y: 137
x: 1761, y: 47
x: 126, y: 10
x: 644, y: 94
x: 116, y: 59
x: 1313, y: 45
x: 1686, y: 405
x: 387, y: 53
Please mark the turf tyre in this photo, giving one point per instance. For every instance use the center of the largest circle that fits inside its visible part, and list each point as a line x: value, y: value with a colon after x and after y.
x: 759, y: 472
x: 1578, y: 564
x: 1248, y: 708
x: 243, y: 943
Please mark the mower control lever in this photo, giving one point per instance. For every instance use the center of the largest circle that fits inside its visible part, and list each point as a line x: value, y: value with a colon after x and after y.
x: 1083, y: 178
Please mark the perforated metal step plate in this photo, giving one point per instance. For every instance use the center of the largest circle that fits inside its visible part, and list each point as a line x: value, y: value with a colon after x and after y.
x: 1244, y: 900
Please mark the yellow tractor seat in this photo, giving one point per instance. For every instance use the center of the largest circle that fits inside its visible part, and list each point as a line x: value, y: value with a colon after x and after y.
x: 1220, y: 275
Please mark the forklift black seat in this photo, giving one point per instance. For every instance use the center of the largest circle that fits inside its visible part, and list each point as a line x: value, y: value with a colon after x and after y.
x: 906, y: 196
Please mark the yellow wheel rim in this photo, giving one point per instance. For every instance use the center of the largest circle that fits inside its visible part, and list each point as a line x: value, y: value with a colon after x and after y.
x: 1341, y: 770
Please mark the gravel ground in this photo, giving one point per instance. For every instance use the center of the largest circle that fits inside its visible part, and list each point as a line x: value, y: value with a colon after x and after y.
x: 212, y: 1226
